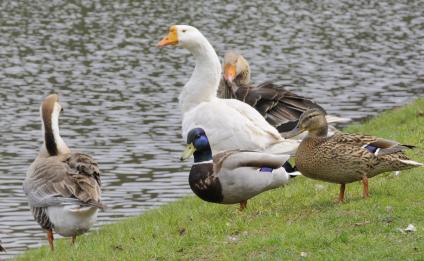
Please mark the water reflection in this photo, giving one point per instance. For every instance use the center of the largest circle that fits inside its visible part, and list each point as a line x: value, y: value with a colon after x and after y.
x: 120, y: 92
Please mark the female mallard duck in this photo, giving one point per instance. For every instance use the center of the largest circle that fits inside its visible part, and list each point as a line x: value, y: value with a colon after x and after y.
x: 344, y: 158
x: 280, y: 107
x: 230, y: 123
x: 232, y: 176
x: 62, y: 187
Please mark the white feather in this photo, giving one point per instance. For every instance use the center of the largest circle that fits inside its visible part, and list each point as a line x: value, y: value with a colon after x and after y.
x: 72, y: 220
x: 411, y: 162
x: 229, y: 124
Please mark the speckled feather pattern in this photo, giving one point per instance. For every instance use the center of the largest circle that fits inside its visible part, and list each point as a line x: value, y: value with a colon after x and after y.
x: 342, y: 159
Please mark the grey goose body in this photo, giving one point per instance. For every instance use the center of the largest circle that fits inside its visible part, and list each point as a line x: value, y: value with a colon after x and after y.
x: 63, y: 188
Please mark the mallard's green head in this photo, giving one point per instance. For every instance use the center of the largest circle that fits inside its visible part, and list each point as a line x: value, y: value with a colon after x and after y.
x: 313, y: 121
x: 197, y: 144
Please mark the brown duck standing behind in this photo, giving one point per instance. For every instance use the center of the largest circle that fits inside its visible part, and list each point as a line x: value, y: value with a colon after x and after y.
x: 280, y: 107
x: 344, y: 158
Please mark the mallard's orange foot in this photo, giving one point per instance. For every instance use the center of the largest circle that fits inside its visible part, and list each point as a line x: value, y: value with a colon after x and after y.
x: 341, y: 193
x: 365, y: 186
x: 243, y: 205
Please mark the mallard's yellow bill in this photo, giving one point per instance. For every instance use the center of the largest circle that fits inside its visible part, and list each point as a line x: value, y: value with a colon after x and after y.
x: 190, y: 149
x: 294, y: 132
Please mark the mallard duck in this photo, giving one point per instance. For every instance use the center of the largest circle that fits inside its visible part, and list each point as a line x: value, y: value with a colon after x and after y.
x: 280, y: 107
x: 344, y: 158
x: 233, y: 176
x: 62, y: 187
x: 230, y: 123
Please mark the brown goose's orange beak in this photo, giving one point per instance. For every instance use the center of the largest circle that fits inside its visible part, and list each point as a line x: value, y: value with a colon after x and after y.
x: 229, y: 72
x: 170, y: 39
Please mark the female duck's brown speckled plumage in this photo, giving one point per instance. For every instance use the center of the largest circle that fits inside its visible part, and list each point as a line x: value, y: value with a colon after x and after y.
x: 344, y: 158
x: 280, y: 107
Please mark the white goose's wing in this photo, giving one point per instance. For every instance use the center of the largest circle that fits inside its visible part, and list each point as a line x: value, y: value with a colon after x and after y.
x: 64, y: 179
x: 231, y: 124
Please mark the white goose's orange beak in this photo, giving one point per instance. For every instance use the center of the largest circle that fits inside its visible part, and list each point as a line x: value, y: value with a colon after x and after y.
x: 229, y: 72
x: 171, y: 38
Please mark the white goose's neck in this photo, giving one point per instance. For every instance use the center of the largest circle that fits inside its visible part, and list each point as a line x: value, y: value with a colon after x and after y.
x: 53, y: 143
x: 204, y: 81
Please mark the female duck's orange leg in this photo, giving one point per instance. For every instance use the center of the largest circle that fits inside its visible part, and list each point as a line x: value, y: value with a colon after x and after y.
x: 243, y: 205
x: 342, y: 192
x: 365, y: 186
x: 50, y: 238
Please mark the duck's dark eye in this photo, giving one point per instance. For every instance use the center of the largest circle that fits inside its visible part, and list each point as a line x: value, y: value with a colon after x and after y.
x: 197, y: 136
x: 184, y: 30
x: 61, y: 110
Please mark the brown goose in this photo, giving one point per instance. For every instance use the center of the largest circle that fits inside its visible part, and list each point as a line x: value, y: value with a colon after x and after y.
x: 280, y: 107
x: 344, y: 157
x: 62, y: 187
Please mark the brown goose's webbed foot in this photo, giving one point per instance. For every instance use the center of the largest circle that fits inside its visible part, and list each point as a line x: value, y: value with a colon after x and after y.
x: 243, y: 205
x: 342, y: 193
x: 73, y: 240
x: 50, y: 238
x: 365, y: 186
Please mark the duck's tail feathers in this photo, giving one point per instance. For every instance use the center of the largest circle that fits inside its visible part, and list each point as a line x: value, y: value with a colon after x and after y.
x: 412, y: 163
x: 294, y: 174
x: 291, y: 170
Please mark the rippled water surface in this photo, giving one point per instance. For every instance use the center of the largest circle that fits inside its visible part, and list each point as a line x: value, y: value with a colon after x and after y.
x: 120, y: 92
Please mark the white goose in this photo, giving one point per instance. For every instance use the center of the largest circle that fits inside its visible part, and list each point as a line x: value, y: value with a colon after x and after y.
x: 230, y: 123
x: 62, y: 187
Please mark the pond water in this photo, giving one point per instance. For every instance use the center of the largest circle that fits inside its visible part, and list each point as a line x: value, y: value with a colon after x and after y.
x: 120, y: 92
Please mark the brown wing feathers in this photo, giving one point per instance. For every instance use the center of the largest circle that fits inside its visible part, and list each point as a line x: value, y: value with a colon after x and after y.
x: 73, y: 175
x: 280, y: 107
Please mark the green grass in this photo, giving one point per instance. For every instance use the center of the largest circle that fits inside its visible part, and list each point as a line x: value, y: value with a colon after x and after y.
x: 283, y: 223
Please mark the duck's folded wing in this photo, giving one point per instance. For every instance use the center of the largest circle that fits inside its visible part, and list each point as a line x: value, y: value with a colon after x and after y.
x: 375, y: 145
x: 66, y: 179
x: 254, y: 159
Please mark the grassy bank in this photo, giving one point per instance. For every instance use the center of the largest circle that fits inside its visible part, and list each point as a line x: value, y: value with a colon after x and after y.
x: 299, y: 221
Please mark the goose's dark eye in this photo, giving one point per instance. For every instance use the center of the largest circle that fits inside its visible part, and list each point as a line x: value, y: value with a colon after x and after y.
x: 184, y: 30
x: 61, y: 110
